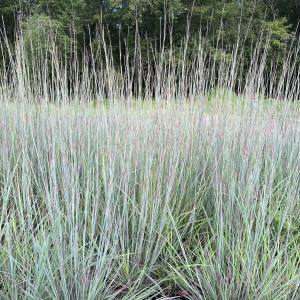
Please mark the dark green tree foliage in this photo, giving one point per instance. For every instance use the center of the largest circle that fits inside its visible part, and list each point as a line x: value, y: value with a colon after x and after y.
x: 8, y: 13
x: 289, y: 9
x: 36, y: 29
x: 222, y: 23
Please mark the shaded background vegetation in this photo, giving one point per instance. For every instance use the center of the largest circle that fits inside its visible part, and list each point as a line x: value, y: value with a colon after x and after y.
x: 221, y: 23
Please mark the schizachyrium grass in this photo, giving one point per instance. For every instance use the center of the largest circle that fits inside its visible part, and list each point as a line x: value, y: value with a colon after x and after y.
x: 107, y: 193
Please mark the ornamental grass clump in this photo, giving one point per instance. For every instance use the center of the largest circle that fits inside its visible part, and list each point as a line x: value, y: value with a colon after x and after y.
x: 184, y: 184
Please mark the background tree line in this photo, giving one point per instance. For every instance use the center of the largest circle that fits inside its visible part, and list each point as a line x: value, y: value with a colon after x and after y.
x: 221, y: 22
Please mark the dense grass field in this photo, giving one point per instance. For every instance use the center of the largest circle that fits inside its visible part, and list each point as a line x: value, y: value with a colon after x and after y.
x: 152, y: 201
x: 178, y: 183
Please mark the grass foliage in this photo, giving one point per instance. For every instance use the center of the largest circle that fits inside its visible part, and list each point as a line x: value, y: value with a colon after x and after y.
x: 191, y: 196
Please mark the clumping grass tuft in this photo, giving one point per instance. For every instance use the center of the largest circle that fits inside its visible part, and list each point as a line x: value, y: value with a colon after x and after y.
x: 133, y: 202
x: 104, y: 195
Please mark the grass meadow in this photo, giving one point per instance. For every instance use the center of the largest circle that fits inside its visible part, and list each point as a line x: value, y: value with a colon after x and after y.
x: 183, y: 186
